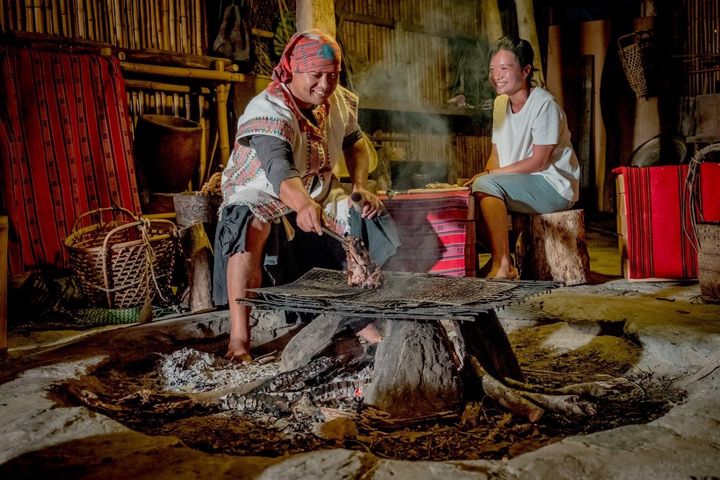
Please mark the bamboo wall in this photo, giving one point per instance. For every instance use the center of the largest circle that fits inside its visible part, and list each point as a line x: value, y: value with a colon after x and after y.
x: 399, y: 53
x: 174, y: 28
x: 409, y: 45
x: 173, y: 25
x: 702, y: 52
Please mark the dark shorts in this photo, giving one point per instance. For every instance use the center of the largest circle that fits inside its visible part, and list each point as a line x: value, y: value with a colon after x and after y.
x: 284, y: 261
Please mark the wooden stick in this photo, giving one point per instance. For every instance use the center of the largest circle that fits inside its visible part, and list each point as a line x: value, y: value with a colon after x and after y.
x: 505, y: 396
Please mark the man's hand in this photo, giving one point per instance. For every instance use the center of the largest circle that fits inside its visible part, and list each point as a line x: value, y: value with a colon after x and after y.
x: 370, y: 203
x: 309, y: 217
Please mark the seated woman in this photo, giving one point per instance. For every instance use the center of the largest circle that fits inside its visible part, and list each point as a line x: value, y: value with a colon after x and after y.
x: 532, y: 167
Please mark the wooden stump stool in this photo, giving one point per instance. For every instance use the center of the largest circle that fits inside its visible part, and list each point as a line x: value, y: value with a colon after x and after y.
x: 552, y: 246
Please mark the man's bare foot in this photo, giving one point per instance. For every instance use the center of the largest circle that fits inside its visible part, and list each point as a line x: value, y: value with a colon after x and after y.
x: 370, y: 334
x: 238, y: 352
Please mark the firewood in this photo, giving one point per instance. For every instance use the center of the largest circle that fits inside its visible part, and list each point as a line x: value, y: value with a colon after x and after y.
x: 504, y: 395
x: 612, y: 385
x: 529, y: 403
x: 567, y: 404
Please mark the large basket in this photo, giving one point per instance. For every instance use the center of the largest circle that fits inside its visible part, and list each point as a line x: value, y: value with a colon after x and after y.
x: 637, y: 58
x: 121, y: 260
x: 706, y: 238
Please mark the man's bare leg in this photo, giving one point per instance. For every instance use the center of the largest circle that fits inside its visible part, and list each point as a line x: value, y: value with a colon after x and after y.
x: 244, y: 271
x: 370, y: 334
x: 494, y: 214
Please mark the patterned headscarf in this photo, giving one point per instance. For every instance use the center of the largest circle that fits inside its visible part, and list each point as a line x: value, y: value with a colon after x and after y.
x: 310, y: 51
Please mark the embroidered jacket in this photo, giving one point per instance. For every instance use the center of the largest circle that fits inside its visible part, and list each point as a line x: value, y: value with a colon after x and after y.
x: 316, y: 149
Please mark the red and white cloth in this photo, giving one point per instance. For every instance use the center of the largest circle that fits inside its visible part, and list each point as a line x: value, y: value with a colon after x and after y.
x: 659, y: 234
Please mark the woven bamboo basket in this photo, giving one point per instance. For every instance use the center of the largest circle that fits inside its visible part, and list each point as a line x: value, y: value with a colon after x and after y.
x: 706, y: 235
x: 636, y: 56
x: 121, y: 260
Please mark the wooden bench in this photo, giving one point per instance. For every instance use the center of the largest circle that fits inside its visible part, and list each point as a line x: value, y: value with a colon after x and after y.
x: 552, y: 246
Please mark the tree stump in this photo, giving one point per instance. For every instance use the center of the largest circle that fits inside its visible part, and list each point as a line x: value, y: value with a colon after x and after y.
x: 414, y: 373
x: 197, y: 250
x: 552, y: 246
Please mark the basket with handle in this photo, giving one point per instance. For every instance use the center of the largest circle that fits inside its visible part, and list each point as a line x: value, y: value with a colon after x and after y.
x: 636, y: 56
x: 120, y: 260
x: 705, y: 236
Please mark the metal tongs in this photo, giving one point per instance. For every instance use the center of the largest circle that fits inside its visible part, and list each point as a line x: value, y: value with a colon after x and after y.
x: 335, y: 235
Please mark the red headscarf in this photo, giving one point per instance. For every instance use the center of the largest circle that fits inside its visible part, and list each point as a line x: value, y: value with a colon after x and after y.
x: 310, y: 51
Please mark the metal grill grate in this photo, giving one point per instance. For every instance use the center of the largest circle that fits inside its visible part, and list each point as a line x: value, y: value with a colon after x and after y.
x: 401, y: 296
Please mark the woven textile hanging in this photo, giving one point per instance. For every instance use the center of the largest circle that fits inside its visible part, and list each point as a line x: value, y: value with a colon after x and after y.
x: 65, y: 147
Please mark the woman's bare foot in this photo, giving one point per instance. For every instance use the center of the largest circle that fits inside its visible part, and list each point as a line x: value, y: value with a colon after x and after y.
x: 503, y: 269
x: 507, y: 273
x: 239, y: 352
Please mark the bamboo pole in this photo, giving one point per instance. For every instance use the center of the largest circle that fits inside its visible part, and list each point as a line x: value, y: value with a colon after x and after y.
x: 54, y: 18
x: 171, y: 25
x: 90, y: 20
x: 136, y: 24
x: 221, y: 92
x: 40, y: 20
x: 182, y: 39
x: 203, y: 140
x: 200, y: 74
x: 164, y: 20
x: 198, y: 28
x: 119, y: 33
x: 151, y: 34
x: 168, y: 87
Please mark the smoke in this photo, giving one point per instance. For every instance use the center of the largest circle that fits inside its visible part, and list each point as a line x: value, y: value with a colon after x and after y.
x: 416, y: 70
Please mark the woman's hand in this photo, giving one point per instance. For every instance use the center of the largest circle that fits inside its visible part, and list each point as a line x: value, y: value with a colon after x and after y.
x: 368, y: 201
x: 472, y: 180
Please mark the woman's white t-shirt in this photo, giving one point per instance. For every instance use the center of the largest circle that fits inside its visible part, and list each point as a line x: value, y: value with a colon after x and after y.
x: 541, y: 121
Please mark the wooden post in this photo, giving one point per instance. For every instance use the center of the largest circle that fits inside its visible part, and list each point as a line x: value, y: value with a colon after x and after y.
x: 196, y: 246
x: 221, y: 97
x: 316, y: 14
x: 554, y: 77
x: 594, y: 40
x: 585, y: 135
x: 528, y: 30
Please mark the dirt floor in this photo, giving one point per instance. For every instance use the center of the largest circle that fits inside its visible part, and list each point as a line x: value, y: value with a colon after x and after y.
x: 63, y: 395
x: 178, y: 394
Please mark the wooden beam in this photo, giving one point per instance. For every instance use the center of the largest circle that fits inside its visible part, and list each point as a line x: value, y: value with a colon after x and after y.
x: 316, y: 14
x: 528, y: 30
x: 492, y: 24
